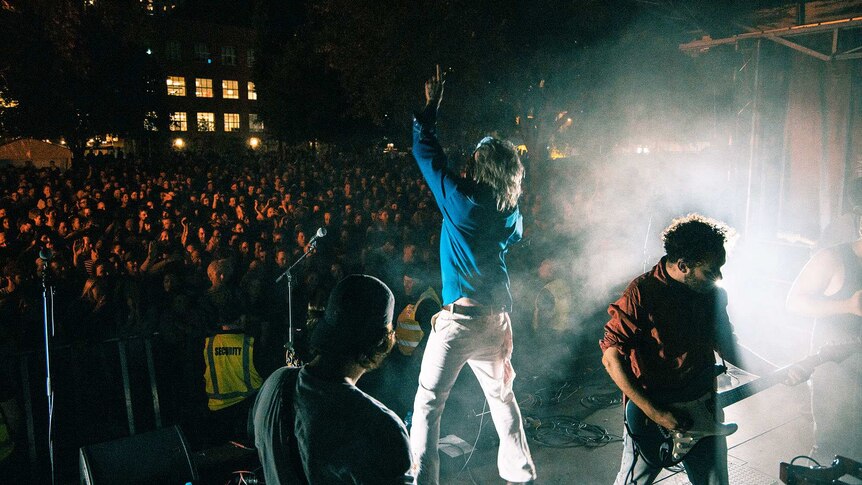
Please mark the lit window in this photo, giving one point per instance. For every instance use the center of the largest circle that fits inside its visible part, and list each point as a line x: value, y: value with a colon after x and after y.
x: 249, y: 58
x: 179, y: 121
x: 176, y: 86
x: 206, y: 122
x: 203, y: 88
x: 254, y: 124
x: 231, y: 122
x: 230, y: 89
x: 252, y: 91
x: 202, y: 52
x: 228, y: 55
x: 173, y: 50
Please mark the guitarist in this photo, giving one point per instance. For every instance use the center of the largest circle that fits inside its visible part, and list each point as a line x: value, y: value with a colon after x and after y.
x: 829, y: 288
x: 661, y: 338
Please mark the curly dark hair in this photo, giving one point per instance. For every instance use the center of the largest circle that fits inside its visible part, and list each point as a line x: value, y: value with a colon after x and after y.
x: 694, y: 238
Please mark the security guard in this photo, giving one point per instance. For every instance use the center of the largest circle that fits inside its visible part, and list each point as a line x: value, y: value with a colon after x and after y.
x: 553, y: 306
x: 554, y: 320
x: 231, y: 378
x: 408, y: 332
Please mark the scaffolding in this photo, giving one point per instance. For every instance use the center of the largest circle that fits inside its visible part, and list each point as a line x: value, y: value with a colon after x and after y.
x: 829, y: 41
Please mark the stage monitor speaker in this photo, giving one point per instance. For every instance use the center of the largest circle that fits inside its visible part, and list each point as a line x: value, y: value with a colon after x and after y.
x: 160, y: 456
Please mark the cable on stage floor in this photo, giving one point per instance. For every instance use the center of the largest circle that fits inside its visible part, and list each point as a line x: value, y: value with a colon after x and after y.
x: 567, y: 432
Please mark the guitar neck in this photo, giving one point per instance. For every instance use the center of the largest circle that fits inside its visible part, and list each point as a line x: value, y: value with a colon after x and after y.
x: 749, y: 389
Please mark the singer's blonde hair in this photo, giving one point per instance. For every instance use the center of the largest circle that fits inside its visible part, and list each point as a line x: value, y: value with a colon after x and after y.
x: 497, y: 164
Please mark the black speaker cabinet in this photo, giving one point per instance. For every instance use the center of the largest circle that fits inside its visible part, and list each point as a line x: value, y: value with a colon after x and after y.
x: 160, y: 456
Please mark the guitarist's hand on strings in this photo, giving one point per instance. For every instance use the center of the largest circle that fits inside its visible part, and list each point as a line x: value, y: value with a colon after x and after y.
x: 671, y: 419
x: 797, y: 374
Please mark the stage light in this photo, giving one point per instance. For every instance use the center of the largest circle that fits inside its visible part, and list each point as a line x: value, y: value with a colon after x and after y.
x: 179, y: 143
x: 254, y: 142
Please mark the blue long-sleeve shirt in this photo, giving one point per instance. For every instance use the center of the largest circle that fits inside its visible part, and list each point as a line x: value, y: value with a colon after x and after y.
x: 475, y: 236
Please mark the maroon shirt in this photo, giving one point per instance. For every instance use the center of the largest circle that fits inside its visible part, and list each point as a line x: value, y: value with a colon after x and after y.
x: 667, y: 331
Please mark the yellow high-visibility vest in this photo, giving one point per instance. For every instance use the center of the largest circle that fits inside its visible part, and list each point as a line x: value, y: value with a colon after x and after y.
x: 562, y: 294
x: 230, y: 373
x: 408, y: 332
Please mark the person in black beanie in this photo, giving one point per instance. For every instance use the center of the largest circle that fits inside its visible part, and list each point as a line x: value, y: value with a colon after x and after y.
x: 314, y: 421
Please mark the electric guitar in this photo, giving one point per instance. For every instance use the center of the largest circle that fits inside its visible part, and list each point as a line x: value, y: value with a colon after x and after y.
x: 661, y: 447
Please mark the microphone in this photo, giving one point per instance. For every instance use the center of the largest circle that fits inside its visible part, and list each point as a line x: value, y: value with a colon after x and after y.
x: 46, y: 254
x: 321, y: 232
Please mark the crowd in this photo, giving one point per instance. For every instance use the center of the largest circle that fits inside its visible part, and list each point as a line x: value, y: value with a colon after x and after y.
x: 130, y: 248
x: 122, y: 234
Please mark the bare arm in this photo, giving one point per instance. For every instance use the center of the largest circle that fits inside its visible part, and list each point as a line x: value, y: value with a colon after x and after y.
x: 185, y: 237
x: 622, y: 376
x: 807, y: 296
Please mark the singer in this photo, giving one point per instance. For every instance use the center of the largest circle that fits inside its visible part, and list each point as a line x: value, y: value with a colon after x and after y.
x: 480, y: 220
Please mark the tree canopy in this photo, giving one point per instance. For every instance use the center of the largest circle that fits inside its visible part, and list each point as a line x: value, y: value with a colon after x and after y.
x: 75, y: 69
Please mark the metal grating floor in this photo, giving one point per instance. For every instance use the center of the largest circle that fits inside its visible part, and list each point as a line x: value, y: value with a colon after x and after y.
x: 739, y: 473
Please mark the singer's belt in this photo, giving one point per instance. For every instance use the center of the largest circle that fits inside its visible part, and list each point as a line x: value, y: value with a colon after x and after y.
x: 474, y: 311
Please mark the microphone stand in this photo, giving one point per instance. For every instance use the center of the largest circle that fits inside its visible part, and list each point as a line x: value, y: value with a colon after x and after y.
x: 291, y: 359
x: 646, y: 244
x: 48, y: 311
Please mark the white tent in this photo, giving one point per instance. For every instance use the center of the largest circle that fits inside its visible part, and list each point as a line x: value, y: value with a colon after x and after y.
x: 40, y: 154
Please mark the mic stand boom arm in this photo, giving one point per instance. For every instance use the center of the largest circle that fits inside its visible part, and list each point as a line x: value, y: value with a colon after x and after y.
x: 291, y: 358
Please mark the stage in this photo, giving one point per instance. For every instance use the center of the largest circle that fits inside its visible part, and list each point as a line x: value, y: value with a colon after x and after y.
x: 774, y: 426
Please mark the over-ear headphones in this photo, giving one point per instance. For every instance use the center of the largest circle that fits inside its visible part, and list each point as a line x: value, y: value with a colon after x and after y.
x: 488, y: 140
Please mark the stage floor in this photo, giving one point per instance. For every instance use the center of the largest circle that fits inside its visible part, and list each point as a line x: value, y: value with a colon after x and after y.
x: 774, y: 426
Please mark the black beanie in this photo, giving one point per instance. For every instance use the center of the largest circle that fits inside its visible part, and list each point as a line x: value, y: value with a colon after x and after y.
x: 357, y: 313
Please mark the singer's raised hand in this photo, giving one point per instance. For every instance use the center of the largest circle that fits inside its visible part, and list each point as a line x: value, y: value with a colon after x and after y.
x: 434, y: 89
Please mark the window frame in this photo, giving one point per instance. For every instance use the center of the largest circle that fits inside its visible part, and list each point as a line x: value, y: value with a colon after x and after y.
x: 180, y: 90
x: 178, y: 124
x: 173, y: 50
x: 201, y: 88
x: 202, y: 52
x: 202, y: 118
x: 232, y: 125
x: 228, y: 52
x: 255, y: 126
x: 225, y: 88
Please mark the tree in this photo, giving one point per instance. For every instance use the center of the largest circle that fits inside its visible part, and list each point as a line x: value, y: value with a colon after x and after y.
x: 301, y: 98
x: 586, y: 72
x: 511, y: 66
x: 75, y: 69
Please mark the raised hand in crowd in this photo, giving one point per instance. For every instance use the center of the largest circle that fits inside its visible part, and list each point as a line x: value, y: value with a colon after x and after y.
x: 185, y: 235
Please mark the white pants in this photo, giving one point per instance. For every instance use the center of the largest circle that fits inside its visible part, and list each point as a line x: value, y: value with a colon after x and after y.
x: 486, y: 344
